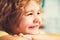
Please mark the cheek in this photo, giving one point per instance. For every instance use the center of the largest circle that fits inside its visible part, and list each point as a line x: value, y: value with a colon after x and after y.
x: 25, y: 21
x: 22, y: 26
x: 41, y: 19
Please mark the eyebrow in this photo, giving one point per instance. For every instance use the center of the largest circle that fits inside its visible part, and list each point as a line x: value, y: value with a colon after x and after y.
x: 29, y: 11
x: 40, y: 10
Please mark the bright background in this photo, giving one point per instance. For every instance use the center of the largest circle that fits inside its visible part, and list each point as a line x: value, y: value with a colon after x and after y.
x: 51, y: 16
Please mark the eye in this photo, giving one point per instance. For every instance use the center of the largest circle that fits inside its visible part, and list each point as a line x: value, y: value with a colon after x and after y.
x: 38, y: 13
x: 29, y: 14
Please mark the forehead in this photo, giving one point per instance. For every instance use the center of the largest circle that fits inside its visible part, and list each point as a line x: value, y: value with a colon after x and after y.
x: 32, y: 5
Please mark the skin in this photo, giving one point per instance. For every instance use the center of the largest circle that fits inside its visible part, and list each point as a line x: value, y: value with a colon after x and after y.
x: 30, y: 19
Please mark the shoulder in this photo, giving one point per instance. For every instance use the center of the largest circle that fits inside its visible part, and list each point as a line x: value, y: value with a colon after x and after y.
x: 5, y: 36
x: 9, y: 37
x: 3, y: 33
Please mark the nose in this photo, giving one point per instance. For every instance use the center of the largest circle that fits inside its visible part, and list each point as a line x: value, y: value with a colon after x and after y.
x: 36, y: 20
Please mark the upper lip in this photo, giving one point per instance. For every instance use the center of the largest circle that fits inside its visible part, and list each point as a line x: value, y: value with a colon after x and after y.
x: 33, y: 26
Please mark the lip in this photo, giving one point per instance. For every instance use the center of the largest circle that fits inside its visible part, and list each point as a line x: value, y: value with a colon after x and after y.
x: 33, y: 27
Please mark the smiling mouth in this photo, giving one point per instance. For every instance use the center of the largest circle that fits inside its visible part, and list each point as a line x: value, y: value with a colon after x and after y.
x: 33, y: 27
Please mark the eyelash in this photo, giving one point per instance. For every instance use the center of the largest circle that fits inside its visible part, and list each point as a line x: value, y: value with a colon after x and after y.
x: 29, y: 14
x: 32, y: 14
x: 38, y: 13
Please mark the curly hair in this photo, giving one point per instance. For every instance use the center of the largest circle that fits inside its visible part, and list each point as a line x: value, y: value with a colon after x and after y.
x: 10, y: 12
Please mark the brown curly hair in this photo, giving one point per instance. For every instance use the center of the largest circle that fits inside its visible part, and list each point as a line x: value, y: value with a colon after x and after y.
x: 10, y: 12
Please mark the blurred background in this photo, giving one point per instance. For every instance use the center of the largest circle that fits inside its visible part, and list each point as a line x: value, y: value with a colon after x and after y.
x: 51, y: 16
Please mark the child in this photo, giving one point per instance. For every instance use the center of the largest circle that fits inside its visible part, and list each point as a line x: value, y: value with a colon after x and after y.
x: 20, y: 19
x: 23, y: 16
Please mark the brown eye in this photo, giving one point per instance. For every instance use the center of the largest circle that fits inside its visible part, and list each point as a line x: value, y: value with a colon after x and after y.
x: 29, y: 14
x: 38, y: 13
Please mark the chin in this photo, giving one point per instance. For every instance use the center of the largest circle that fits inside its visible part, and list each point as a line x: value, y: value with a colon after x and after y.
x: 33, y: 32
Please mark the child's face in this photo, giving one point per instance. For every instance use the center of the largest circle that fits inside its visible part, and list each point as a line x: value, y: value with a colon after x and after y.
x: 30, y: 19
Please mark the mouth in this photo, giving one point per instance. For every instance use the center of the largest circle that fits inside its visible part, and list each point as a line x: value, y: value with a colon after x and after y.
x: 33, y: 27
